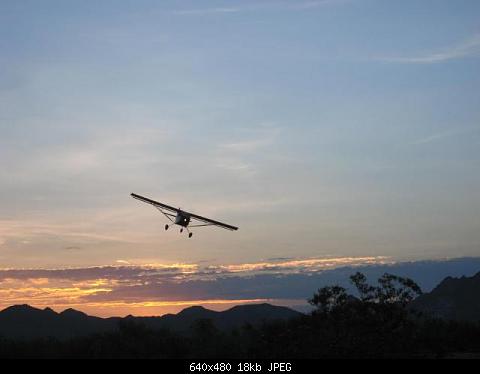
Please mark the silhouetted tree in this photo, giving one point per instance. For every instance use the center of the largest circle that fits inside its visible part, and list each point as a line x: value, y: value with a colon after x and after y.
x: 392, y: 289
x: 366, y: 292
x: 328, y: 298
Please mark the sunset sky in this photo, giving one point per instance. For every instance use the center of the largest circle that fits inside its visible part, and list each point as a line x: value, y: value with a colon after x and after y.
x: 332, y: 132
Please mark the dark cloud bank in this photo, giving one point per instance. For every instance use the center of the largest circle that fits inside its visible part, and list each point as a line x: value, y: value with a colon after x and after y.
x: 137, y: 283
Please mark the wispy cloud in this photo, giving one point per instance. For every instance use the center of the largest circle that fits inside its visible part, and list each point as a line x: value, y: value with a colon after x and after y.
x: 265, y: 6
x: 442, y: 135
x: 304, y: 265
x: 247, y: 145
x: 468, y: 47
x: 236, y: 155
x: 316, y: 4
x: 264, y: 135
x: 128, y: 270
x: 22, y: 230
x: 206, y: 11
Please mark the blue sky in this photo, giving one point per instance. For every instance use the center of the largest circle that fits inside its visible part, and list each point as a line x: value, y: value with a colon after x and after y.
x: 321, y: 128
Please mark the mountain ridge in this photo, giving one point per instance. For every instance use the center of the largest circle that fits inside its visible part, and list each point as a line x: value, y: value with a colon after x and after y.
x: 452, y: 299
x: 26, y: 322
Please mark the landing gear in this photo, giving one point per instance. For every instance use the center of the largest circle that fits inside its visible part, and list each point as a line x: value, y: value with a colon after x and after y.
x: 190, y: 234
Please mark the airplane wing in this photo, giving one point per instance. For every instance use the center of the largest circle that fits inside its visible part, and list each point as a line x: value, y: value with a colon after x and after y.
x: 211, y: 222
x: 205, y: 221
x: 155, y: 203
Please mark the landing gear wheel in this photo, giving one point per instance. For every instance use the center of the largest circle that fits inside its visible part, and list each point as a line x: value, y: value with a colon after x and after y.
x: 190, y: 234
x: 181, y: 230
x: 166, y: 227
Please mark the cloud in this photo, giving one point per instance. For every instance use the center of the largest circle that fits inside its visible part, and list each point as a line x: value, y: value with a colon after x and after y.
x: 206, y: 11
x: 237, y: 156
x: 433, y: 138
x: 107, y: 290
x: 467, y: 48
x: 73, y: 248
x: 316, y: 4
x: 157, y: 282
x: 303, y: 265
x: 442, y: 135
x: 248, y: 145
x: 184, y: 270
x: 275, y: 5
x: 20, y: 231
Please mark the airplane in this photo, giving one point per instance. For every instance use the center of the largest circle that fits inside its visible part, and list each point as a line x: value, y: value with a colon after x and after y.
x: 182, y: 218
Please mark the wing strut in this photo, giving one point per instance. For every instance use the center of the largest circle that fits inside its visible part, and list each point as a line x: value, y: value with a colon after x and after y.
x: 170, y: 212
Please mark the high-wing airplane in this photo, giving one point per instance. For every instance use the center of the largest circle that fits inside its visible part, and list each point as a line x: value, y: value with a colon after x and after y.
x: 183, y: 218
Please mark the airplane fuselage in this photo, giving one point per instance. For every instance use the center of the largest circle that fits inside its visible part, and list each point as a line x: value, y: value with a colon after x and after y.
x: 182, y: 219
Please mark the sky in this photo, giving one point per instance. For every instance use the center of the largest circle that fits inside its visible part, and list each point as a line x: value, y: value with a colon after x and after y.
x: 334, y: 133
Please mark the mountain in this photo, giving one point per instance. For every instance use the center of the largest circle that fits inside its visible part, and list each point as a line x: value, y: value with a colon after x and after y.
x: 26, y: 322
x: 454, y: 298
x: 237, y: 316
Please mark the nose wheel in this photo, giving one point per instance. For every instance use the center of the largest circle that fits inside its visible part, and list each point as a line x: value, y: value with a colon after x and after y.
x: 190, y: 234
x: 166, y: 227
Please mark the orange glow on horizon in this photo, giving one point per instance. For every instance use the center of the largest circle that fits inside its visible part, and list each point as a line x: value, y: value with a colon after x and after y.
x: 154, y: 308
x: 117, y: 289
x: 311, y: 264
